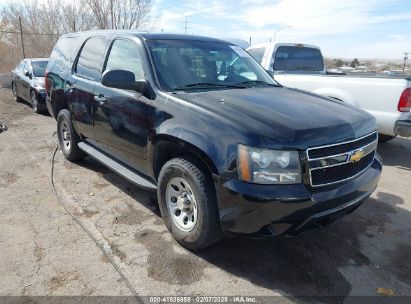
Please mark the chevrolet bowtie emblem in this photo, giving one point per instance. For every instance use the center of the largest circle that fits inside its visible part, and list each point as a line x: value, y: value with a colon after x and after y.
x: 356, y: 156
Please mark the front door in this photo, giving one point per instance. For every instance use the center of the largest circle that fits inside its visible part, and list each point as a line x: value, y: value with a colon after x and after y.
x: 120, y: 118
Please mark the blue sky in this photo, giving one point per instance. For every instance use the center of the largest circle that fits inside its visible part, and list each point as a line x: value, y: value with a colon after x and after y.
x: 342, y: 28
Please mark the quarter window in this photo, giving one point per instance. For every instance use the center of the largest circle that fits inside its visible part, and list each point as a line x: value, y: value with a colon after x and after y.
x: 124, y: 55
x: 88, y: 64
x: 62, y: 53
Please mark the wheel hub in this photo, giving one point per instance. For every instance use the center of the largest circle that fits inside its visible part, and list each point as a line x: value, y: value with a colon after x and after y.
x: 184, y: 202
x: 181, y: 203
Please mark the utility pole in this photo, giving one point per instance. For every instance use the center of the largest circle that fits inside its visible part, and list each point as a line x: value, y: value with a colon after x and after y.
x: 405, y: 61
x: 186, y: 25
x: 22, y: 41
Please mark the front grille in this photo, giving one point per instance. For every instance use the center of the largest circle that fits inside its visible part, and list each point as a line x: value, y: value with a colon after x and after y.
x: 342, y: 172
x: 327, y: 169
x: 341, y: 148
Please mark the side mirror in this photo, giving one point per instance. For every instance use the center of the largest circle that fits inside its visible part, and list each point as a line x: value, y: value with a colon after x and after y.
x: 123, y: 79
x: 27, y: 73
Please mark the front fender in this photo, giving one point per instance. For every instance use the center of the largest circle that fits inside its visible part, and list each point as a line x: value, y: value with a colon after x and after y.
x: 219, y: 148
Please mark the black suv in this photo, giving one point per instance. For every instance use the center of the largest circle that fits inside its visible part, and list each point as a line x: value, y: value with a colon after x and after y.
x: 227, y: 148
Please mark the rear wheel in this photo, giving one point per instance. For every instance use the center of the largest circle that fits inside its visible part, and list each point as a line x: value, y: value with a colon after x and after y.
x: 382, y: 138
x: 14, y: 89
x: 188, y: 203
x: 68, y: 137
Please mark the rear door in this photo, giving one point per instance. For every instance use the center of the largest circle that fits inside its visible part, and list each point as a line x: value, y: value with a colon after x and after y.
x: 80, y: 84
x: 121, y: 115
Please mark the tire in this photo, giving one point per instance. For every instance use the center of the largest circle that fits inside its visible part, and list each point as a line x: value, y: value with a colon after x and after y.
x: 382, y: 138
x: 37, y: 108
x: 68, y: 137
x: 194, y: 184
x: 16, y: 96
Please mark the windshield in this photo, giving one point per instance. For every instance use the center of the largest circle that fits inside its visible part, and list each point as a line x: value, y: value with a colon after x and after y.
x: 39, y: 68
x: 294, y: 58
x: 192, y: 64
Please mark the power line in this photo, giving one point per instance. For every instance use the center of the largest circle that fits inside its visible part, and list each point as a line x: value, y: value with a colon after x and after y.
x: 30, y: 33
x: 197, y: 11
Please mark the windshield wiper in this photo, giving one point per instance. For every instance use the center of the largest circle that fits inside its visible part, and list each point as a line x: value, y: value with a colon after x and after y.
x: 258, y: 82
x: 208, y: 84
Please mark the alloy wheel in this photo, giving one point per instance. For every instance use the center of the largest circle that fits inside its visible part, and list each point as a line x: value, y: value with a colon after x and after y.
x: 34, y: 102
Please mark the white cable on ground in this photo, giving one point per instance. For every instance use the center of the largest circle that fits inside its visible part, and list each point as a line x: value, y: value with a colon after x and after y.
x: 78, y: 221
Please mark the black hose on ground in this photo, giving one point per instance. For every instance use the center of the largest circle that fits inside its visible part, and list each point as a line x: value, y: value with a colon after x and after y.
x: 3, y: 128
x: 79, y: 222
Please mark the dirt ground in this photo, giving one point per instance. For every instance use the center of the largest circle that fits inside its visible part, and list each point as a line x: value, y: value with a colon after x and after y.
x: 45, y: 252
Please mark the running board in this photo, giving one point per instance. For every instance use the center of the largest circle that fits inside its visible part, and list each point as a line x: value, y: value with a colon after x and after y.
x: 117, y: 167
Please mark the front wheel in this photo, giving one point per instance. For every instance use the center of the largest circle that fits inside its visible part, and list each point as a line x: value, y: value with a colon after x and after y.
x: 35, y: 103
x: 68, y: 137
x: 188, y: 203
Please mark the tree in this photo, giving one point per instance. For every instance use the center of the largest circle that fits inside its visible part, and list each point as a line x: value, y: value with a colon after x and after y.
x: 354, y: 63
x: 120, y: 14
x: 43, y: 21
x: 339, y: 63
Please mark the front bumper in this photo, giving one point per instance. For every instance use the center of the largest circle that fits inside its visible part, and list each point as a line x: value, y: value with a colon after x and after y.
x: 269, y: 210
x: 403, y: 128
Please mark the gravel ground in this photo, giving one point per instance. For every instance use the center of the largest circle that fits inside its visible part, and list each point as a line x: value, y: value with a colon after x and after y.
x: 45, y: 252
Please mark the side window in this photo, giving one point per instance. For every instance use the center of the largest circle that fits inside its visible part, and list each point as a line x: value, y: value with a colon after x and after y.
x: 124, y: 55
x: 62, y: 52
x: 257, y: 54
x: 88, y: 64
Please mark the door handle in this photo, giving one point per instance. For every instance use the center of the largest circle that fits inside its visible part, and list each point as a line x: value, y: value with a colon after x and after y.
x: 100, y: 99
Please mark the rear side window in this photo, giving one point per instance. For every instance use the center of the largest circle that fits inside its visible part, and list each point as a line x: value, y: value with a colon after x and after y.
x: 62, y: 52
x: 294, y: 58
x: 88, y: 64
x: 124, y: 55
x: 257, y: 54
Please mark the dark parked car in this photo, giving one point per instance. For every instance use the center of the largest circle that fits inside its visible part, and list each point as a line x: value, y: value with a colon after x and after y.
x: 227, y: 149
x: 28, y: 82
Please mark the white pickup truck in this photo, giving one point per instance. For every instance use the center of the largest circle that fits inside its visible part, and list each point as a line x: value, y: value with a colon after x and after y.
x: 302, y: 66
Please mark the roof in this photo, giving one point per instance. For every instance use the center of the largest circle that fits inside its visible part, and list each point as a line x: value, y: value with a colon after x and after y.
x: 151, y: 36
x: 268, y: 44
x: 37, y: 59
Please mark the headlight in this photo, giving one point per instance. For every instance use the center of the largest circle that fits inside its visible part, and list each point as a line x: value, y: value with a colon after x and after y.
x: 39, y: 88
x: 264, y: 166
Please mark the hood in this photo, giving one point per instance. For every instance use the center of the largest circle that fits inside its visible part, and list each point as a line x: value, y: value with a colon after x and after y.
x: 39, y: 82
x: 287, y: 117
